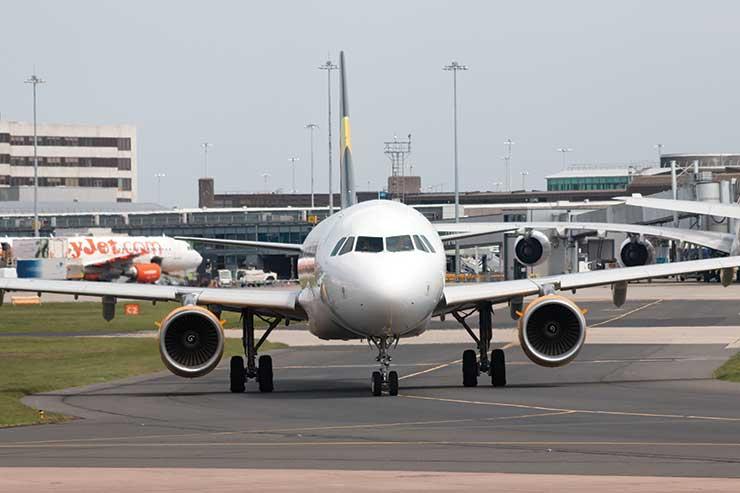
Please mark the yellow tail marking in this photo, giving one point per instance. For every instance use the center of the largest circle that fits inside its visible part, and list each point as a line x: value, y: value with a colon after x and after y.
x: 346, y: 134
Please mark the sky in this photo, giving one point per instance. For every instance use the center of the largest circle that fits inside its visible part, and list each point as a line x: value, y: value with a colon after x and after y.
x: 608, y: 79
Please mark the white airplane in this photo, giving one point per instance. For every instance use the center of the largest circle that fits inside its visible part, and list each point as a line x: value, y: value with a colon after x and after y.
x: 689, y: 206
x: 374, y: 271
x: 142, y: 259
x: 533, y: 245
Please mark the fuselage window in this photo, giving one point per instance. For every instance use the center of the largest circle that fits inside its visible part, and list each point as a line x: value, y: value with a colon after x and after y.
x: 427, y: 243
x: 399, y: 243
x: 347, y: 245
x: 420, y: 244
x: 371, y: 244
x: 338, y: 246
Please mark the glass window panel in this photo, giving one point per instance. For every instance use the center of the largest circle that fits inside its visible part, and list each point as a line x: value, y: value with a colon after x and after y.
x: 347, y: 246
x: 338, y: 246
x: 428, y: 243
x: 420, y: 244
x: 401, y: 243
x: 371, y: 244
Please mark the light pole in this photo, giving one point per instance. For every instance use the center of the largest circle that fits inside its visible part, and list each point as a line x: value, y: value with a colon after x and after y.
x: 660, y: 153
x: 266, y: 177
x: 564, y: 151
x: 311, y: 127
x: 507, y: 159
x: 328, y: 66
x: 205, y: 146
x: 159, y: 177
x: 524, y: 179
x: 497, y: 186
x: 34, y: 81
x: 455, y: 67
x: 293, y: 160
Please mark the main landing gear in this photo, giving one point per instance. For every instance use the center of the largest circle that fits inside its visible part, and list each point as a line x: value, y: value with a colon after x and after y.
x: 257, y: 369
x: 383, y: 379
x: 472, y: 365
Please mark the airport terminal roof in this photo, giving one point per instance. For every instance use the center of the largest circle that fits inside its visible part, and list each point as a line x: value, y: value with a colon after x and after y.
x: 603, y: 172
x: 22, y: 208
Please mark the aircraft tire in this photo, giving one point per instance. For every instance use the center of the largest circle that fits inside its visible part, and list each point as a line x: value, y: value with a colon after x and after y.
x: 392, y: 383
x: 264, y: 374
x: 376, y: 384
x: 470, y: 368
x: 237, y: 375
x: 498, y: 368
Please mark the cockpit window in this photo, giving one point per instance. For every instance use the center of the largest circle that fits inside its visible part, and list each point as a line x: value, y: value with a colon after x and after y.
x: 420, y: 244
x: 427, y: 243
x: 338, y: 246
x: 370, y: 244
x: 347, y: 245
x: 399, y: 243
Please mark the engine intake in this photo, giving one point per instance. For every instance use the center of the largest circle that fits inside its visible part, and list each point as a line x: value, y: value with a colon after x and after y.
x: 532, y: 248
x: 636, y: 251
x: 552, y: 331
x: 191, y: 341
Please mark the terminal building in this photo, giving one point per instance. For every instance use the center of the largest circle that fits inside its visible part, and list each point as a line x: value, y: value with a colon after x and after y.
x: 288, y: 218
x: 706, y: 160
x: 84, y: 163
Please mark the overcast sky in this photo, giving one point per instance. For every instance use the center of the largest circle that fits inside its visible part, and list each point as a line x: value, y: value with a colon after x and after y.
x: 609, y: 80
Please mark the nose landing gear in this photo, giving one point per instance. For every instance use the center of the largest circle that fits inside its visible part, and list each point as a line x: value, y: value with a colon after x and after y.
x: 383, y: 379
x: 473, y: 366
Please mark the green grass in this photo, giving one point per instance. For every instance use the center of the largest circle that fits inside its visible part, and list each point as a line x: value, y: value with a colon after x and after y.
x: 730, y: 370
x: 30, y: 365
x: 87, y: 316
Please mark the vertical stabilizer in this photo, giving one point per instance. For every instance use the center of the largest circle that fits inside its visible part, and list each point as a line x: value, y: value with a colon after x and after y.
x: 346, y: 170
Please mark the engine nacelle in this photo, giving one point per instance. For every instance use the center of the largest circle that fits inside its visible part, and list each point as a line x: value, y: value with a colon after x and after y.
x: 636, y: 251
x: 191, y: 341
x: 532, y: 248
x: 145, y: 273
x: 552, y: 330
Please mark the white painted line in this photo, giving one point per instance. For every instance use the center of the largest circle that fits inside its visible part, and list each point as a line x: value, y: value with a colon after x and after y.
x: 439, y: 367
x: 618, y: 317
x: 583, y: 411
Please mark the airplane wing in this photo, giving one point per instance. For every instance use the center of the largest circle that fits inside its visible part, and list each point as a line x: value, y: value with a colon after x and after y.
x: 461, y: 295
x: 277, y: 300
x: 691, y: 206
x: 710, y: 239
x: 293, y: 247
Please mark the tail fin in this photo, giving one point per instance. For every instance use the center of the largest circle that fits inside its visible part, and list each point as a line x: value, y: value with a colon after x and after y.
x: 346, y: 170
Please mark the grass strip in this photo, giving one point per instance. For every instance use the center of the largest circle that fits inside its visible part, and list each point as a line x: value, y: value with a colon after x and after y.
x: 30, y: 365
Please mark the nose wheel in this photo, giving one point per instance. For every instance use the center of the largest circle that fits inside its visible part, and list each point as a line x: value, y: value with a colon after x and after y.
x: 384, y: 379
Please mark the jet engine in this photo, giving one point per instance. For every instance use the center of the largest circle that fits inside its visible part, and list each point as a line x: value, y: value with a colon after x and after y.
x: 145, y: 273
x: 532, y: 248
x: 636, y: 251
x: 552, y: 330
x: 191, y: 341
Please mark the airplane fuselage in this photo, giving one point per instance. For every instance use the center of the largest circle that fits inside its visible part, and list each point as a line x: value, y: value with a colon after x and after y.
x: 174, y: 256
x: 386, y: 283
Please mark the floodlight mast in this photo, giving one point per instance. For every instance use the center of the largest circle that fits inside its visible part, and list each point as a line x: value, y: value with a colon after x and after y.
x: 329, y: 66
x: 34, y: 81
x: 455, y: 67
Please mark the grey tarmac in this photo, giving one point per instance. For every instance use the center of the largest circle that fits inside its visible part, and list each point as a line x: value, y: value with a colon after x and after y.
x: 618, y: 410
x: 644, y: 414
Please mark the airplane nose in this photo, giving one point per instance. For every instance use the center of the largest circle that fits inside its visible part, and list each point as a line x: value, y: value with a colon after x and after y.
x: 405, y: 302
x: 387, y: 301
